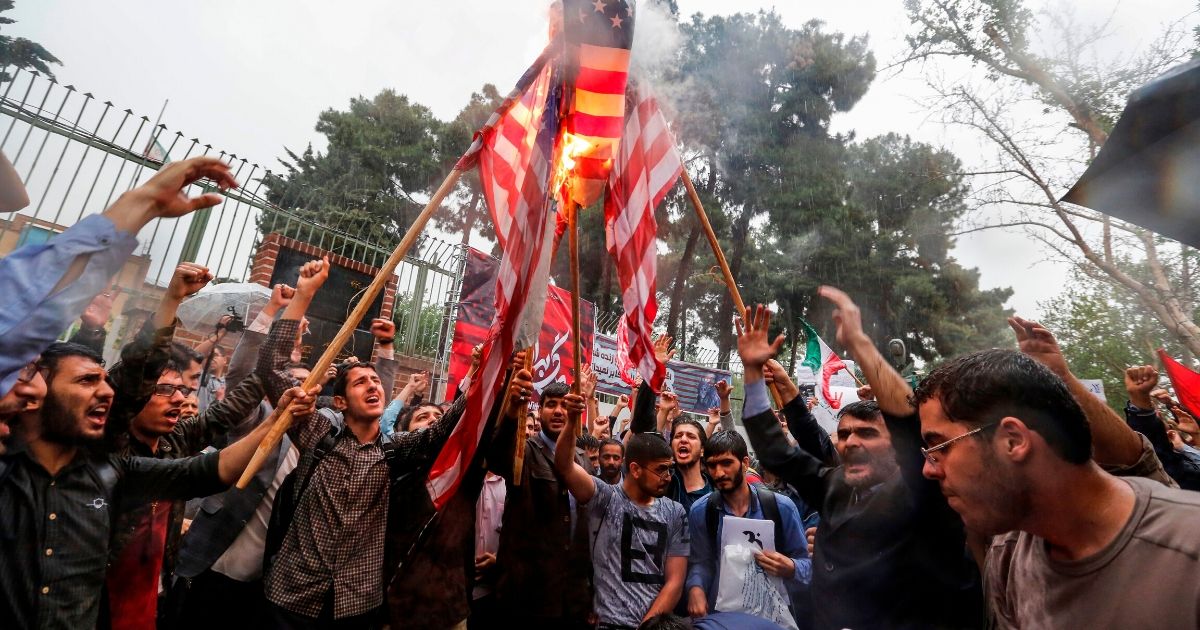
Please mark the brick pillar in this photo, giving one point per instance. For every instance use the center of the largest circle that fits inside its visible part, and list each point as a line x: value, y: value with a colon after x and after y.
x: 264, y: 260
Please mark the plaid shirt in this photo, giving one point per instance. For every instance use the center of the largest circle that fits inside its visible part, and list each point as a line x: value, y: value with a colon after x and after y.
x: 336, y: 540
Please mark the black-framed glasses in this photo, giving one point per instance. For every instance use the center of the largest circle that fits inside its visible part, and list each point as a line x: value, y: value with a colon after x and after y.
x: 166, y: 389
x: 929, y: 453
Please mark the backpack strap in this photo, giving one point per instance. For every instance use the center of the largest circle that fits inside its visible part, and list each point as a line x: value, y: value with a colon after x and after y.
x: 327, y: 444
x: 712, y: 516
x: 770, y: 509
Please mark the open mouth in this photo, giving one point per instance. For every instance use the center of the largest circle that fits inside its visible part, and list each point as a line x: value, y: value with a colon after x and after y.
x: 372, y: 399
x: 98, y: 414
x: 683, y: 451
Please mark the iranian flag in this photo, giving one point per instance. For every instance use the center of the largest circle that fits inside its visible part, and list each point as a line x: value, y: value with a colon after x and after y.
x: 824, y: 363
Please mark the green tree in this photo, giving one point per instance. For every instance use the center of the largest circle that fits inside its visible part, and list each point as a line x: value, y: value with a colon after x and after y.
x: 1103, y: 330
x: 22, y: 53
x: 382, y: 153
x: 1080, y: 94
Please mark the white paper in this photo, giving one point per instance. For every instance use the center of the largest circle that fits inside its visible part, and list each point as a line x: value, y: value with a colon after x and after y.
x: 750, y: 532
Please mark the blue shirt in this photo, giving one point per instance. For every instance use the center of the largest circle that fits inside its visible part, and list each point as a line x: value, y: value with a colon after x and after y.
x: 32, y: 317
x: 391, y: 413
x: 703, y: 562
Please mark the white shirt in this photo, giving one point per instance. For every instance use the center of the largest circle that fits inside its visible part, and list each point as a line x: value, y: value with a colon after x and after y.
x: 242, y: 561
x: 489, y: 511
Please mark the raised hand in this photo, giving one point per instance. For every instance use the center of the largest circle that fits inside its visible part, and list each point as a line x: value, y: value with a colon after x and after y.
x: 663, y: 350
x: 724, y: 389
x: 187, y: 280
x: 865, y: 393
x: 313, y: 274
x: 754, y: 347
x: 622, y: 403
x: 1036, y: 341
x: 846, y: 315
x: 1140, y: 383
x: 162, y: 196
x: 783, y: 382
x: 97, y: 312
x: 384, y: 330
x: 587, y: 382
x: 281, y: 296
x: 519, y: 391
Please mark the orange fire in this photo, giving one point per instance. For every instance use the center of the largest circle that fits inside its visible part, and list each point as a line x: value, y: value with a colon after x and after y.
x: 571, y: 148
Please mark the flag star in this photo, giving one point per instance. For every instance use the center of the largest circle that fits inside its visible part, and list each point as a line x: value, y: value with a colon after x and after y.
x: 599, y: 6
x: 616, y: 21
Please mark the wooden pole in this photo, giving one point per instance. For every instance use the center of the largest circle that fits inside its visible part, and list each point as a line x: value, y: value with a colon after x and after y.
x: 284, y: 422
x: 519, y: 451
x: 576, y: 342
x: 720, y: 256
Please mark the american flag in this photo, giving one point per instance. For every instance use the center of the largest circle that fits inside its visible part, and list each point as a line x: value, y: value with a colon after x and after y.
x: 646, y: 168
x: 514, y: 152
x: 599, y: 35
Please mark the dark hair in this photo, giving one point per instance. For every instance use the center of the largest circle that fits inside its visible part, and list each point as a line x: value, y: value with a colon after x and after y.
x: 404, y: 421
x: 613, y: 442
x: 343, y: 373
x: 587, y: 442
x: 644, y: 448
x: 982, y: 387
x: 60, y: 350
x: 667, y: 621
x: 556, y: 389
x: 699, y: 428
x: 862, y: 409
x: 182, y: 354
x: 723, y: 442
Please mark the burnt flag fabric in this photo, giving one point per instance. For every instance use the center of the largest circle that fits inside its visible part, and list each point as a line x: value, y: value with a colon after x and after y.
x: 599, y: 35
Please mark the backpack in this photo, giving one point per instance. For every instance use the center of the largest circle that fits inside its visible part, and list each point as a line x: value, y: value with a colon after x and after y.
x: 766, y: 499
x: 287, y: 497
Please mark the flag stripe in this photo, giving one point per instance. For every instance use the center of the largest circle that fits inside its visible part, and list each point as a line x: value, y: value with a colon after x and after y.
x: 604, y: 126
x: 601, y: 81
x: 604, y: 58
x: 597, y: 104
x: 643, y: 172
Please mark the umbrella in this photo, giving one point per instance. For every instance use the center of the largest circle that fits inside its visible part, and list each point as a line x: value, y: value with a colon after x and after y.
x: 201, y: 311
x: 1148, y: 172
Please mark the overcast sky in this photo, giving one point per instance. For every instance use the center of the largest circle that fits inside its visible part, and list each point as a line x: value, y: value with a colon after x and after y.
x: 250, y: 77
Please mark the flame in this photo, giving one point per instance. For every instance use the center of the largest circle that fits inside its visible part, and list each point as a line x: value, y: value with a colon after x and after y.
x: 571, y: 148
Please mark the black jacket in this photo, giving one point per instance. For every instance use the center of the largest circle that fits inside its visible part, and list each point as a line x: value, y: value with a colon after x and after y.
x: 896, y: 557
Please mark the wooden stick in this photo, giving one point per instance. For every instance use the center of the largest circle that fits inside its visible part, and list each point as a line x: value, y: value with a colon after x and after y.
x: 519, y: 451
x: 576, y: 342
x: 284, y: 422
x: 720, y: 256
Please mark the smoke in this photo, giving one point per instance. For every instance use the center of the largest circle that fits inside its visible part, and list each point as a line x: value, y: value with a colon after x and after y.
x: 656, y: 40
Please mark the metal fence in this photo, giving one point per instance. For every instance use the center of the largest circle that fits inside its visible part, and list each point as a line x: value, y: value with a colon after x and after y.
x: 77, y: 154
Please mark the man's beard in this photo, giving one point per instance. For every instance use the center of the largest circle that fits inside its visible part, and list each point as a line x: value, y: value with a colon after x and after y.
x: 738, y: 479
x: 59, y: 425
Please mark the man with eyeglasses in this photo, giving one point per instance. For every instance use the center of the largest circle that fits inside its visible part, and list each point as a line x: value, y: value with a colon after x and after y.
x: 639, y: 538
x: 153, y: 388
x: 889, y: 553
x: 1062, y: 543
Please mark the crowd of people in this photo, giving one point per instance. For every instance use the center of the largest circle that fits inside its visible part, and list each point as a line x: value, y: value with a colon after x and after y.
x: 1000, y: 492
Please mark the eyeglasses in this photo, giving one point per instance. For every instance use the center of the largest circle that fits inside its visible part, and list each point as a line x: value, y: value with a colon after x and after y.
x: 665, y: 473
x: 166, y: 389
x: 929, y: 452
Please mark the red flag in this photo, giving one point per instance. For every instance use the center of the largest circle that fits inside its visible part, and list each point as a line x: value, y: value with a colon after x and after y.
x: 1185, y: 382
x: 646, y: 168
x: 513, y: 151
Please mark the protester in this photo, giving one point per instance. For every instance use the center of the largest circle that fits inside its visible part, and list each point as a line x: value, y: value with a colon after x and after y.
x: 47, y: 286
x: 1072, y: 546
x: 726, y: 459
x: 410, y: 394
x: 612, y: 459
x: 489, y: 512
x: 1181, y: 465
x: 58, y: 494
x: 591, y: 449
x: 887, y: 544
x: 544, y: 563
x: 640, y: 539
